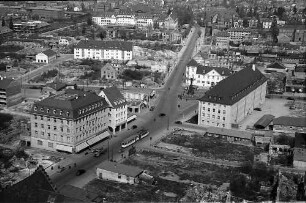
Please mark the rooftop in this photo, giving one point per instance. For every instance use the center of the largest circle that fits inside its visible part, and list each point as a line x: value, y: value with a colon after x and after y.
x: 114, y: 96
x: 235, y: 87
x: 276, y: 65
x: 92, y: 44
x: 5, y: 82
x: 69, y: 104
x: 264, y: 121
x: 131, y: 171
x: 49, y: 52
x: 290, y: 121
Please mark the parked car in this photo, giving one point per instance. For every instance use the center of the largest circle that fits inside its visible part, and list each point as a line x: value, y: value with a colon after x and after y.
x: 134, y: 126
x: 257, y: 109
x: 178, y: 122
x: 80, y: 172
x: 99, y: 152
x: 162, y: 114
x: 290, y: 98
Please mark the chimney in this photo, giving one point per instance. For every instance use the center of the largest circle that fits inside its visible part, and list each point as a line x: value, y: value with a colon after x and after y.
x: 253, y: 67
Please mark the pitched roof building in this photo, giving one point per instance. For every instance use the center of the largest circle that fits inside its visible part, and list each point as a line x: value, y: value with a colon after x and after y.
x: 232, y: 99
x: 70, y: 121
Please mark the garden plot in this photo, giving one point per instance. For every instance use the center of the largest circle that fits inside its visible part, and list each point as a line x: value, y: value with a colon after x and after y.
x: 207, y: 147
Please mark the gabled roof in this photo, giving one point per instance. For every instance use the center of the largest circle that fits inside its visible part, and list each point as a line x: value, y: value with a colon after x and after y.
x: 276, y: 65
x: 4, y: 29
x: 107, y: 66
x: 115, y: 167
x: 5, y: 82
x: 290, y: 121
x: 113, y: 45
x: 235, y: 87
x: 203, y: 70
x: 68, y: 104
x: 114, y: 96
x: 49, y: 52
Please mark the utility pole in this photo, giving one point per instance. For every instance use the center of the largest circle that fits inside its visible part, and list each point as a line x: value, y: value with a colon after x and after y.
x: 108, y: 149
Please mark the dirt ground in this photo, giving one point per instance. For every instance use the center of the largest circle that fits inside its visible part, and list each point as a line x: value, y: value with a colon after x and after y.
x: 276, y: 107
x: 210, y: 147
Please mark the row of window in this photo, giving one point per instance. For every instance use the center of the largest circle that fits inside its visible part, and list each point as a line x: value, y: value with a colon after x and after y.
x: 213, y: 123
x: 214, y: 110
x: 49, y: 119
x: 213, y: 116
x: 49, y: 127
x: 48, y: 136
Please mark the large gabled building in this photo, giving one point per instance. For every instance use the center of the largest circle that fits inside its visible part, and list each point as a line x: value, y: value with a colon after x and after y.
x: 104, y: 50
x: 231, y: 100
x: 118, y: 108
x: 71, y: 121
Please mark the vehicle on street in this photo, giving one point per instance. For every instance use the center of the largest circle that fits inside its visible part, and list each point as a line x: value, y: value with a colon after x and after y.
x: 290, y: 98
x: 80, y: 172
x: 131, y: 140
x: 162, y: 114
x: 178, y: 122
x: 152, y: 108
x: 257, y: 109
x: 99, y: 152
x: 134, y: 126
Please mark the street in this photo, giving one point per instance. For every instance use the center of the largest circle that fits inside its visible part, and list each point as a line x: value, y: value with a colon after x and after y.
x: 167, y: 104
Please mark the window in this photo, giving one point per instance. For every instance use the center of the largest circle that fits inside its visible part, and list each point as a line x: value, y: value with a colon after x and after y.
x: 119, y: 176
x: 224, y: 111
x: 208, y: 109
x: 54, y: 128
x: 49, y: 127
x: 214, y: 110
x: 35, y: 124
x: 42, y: 125
x: 224, y: 118
x: 50, y: 144
x: 35, y: 117
x: 39, y: 142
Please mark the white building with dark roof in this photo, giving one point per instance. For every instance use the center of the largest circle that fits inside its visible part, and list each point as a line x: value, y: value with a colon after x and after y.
x: 71, y: 121
x: 205, y: 76
x: 104, y: 50
x: 118, y: 108
x: 46, y: 56
x: 231, y: 100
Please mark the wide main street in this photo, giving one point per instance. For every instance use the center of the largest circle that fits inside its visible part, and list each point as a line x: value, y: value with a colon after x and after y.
x: 167, y: 104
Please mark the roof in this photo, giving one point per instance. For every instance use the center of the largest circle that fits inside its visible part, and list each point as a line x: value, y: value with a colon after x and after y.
x: 114, y: 96
x: 290, y: 121
x: 5, y: 82
x: 235, y: 87
x: 4, y: 29
x: 35, y: 188
x: 276, y: 65
x: 49, y: 52
x: 206, y: 69
x: 222, y: 34
x: 264, y: 121
x: 58, y: 86
x: 239, y: 30
x: 70, y: 104
x: 230, y: 132
x: 114, y: 45
x: 115, y: 167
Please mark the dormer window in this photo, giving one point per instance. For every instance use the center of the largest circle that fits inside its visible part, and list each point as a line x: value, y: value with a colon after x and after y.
x: 67, y: 113
x: 41, y: 109
x: 54, y: 111
x: 35, y: 108
x: 61, y: 112
x: 48, y: 110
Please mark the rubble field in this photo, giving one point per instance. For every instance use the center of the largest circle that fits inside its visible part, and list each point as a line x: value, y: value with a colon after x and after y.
x: 209, y: 147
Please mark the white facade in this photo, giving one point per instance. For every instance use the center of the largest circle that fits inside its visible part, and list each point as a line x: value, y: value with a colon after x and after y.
x: 266, y: 24
x: 218, y: 115
x: 207, y: 80
x: 238, y: 34
x: 43, y: 58
x: 63, y: 41
x: 102, y: 54
x: 123, y: 19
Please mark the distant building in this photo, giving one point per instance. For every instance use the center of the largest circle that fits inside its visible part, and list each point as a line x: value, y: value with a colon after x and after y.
x: 299, y: 152
x: 118, y: 172
x: 276, y: 67
x: 118, y: 108
x: 205, y: 76
x: 109, y: 72
x: 104, y: 50
x: 30, y: 27
x: 5, y: 32
x: 10, y: 92
x: 238, y: 34
x: 231, y: 100
x: 46, y: 12
x: 296, y: 79
x: 70, y: 122
x: 46, y: 56
x: 63, y: 41
x: 222, y: 39
x: 286, y: 124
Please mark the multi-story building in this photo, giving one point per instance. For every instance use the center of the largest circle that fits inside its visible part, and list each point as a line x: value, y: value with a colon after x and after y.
x: 222, y: 39
x: 71, y: 121
x: 205, y: 76
x: 291, y: 125
x: 295, y: 80
x: 232, y: 99
x: 238, y: 34
x: 109, y: 72
x: 118, y: 108
x: 10, y: 92
x: 104, y: 50
x: 30, y: 27
x: 123, y: 19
